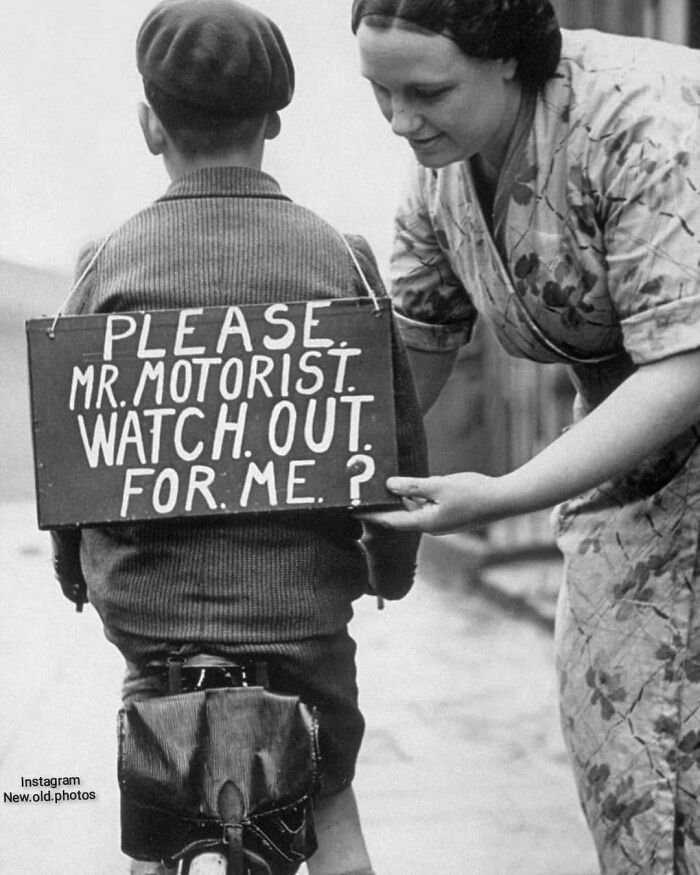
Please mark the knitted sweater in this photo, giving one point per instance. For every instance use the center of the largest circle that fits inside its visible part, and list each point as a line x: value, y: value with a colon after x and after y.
x: 224, y: 236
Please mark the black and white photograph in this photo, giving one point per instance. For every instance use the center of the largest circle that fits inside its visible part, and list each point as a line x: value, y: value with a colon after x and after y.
x: 350, y: 472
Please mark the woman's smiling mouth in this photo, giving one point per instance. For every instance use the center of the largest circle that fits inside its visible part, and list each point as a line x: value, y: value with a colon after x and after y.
x: 423, y: 142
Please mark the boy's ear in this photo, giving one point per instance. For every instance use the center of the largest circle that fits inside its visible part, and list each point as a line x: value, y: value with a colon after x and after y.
x: 273, y: 126
x: 152, y: 129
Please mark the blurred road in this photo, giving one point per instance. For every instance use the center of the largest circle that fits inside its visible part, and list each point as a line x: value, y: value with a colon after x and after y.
x: 462, y: 771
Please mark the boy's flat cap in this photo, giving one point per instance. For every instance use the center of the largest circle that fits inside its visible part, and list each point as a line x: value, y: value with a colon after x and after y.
x: 216, y: 54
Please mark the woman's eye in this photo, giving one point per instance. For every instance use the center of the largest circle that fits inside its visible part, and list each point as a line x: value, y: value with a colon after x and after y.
x: 431, y: 95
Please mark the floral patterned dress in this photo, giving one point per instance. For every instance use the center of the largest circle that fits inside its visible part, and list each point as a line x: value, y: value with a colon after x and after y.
x: 592, y: 258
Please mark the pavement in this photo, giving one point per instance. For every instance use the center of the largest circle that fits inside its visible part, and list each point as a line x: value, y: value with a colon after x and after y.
x: 462, y: 771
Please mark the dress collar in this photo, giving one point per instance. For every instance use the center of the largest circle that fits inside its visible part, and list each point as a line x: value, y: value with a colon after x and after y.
x: 513, y: 161
x: 224, y: 182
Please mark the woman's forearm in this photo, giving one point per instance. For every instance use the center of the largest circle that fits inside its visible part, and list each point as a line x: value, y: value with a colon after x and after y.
x: 650, y: 408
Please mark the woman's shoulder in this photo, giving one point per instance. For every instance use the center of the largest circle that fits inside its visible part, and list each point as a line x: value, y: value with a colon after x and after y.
x: 626, y: 59
x: 608, y: 84
x: 602, y: 71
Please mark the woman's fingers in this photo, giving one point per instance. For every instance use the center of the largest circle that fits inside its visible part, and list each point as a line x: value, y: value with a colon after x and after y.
x: 417, y: 489
x: 416, y: 496
x: 401, y: 520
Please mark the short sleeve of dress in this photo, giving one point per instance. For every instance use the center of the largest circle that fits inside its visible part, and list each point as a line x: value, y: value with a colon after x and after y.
x: 433, y: 308
x: 651, y: 202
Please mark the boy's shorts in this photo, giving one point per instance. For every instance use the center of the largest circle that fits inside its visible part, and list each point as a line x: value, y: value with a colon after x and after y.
x: 321, y: 671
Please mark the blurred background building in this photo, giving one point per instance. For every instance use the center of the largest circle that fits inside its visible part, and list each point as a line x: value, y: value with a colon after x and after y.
x: 663, y: 19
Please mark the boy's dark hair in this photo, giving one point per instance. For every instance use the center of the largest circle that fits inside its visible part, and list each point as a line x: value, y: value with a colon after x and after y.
x: 197, y: 130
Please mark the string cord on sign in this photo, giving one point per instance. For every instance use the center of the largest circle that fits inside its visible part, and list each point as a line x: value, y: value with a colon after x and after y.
x: 52, y: 330
x: 365, y: 281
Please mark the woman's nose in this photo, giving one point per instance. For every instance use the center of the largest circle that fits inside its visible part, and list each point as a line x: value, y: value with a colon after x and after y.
x: 404, y: 120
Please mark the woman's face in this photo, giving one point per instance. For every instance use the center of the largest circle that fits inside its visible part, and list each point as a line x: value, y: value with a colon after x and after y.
x: 448, y: 106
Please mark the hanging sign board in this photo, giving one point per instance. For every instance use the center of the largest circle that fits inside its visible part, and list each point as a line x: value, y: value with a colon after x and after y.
x: 218, y: 410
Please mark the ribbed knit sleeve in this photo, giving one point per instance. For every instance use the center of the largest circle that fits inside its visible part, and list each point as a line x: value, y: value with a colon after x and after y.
x: 391, y: 556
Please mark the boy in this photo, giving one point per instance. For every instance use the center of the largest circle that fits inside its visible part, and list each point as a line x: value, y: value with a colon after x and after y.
x: 276, y: 587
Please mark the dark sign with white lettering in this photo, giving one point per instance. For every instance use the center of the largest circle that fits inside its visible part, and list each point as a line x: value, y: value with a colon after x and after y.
x: 218, y: 410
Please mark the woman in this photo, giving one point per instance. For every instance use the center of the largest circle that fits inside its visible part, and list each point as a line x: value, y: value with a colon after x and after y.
x: 557, y: 195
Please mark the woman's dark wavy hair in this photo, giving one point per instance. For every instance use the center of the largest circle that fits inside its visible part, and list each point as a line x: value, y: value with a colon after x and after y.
x: 526, y: 30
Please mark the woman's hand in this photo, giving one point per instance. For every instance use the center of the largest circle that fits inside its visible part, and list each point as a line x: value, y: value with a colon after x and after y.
x: 439, y: 505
